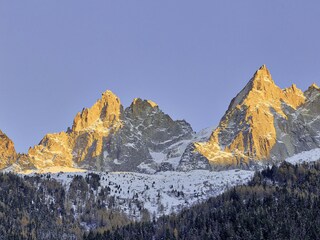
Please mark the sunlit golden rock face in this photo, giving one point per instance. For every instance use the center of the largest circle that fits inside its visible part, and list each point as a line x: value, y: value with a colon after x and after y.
x: 84, y: 140
x: 247, y: 131
x: 107, y: 137
x: 7, y: 151
x: 105, y: 113
x: 53, y: 150
x: 312, y: 91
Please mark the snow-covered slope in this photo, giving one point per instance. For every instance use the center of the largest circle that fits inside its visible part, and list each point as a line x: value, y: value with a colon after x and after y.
x: 307, y: 156
x: 160, y: 193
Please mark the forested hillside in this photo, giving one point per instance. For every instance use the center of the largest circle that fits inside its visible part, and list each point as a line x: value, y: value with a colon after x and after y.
x: 279, y: 203
x: 39, y: 207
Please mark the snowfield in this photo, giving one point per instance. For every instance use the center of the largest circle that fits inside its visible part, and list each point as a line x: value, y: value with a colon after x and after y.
x: 161, y: 193
x: 307, y: 156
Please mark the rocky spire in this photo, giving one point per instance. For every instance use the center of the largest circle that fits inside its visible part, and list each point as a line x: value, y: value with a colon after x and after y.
x: 105, y: 112
x: 314, y: 85
x: 106, y: 137
x: 142, y: 108
x: 7, y: 151
x: 261, y: 81
x: 262, y: 76
x: 312, y: 90
x: 247, y: 129
x: 85, y: 139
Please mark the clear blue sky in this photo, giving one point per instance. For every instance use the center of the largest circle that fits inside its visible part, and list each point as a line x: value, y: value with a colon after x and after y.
x: 191, y: 57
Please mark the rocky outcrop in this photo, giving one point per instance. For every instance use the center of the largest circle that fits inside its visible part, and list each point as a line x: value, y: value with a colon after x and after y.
x: 263, y: 123
x: 84, y: 141
x: 301, y: 130
x: 192, y: 159
x: 107, y: 137
x: 145, y: 135
x: 8, y: 153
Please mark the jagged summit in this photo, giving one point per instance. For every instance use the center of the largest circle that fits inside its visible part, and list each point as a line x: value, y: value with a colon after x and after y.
x: 247, y: 130
x: 109, y: 93
x: 139, y: 101
x: 262, y: 74
x: 86, y: 138
x: 108, y: 137
x: 105, y: 112
x: 142, y: 108
x: 314, y: 86
x: 261, y: 82
x: 312, y: 91
x: 152, y: 103
x: 7, y: 151
x: 293, y: 88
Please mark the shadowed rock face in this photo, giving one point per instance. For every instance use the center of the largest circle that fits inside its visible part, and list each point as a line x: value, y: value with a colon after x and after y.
x: 106, y: 137
x: 262, y: 123
x: 192, y: 159
x: 145, y: 129
x: 7, y: 151
x: 301, y: 130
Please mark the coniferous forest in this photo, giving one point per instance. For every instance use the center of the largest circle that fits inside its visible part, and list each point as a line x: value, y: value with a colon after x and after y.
x: 39, y: 207
x: 279, y: 203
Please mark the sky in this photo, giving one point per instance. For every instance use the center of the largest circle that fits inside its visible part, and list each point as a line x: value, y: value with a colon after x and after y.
x: 190, y: 57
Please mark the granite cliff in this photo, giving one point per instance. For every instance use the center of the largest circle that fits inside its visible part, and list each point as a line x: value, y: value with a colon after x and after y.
x: 263, y: 123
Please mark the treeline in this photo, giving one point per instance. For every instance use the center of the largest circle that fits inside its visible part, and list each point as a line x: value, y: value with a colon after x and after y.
x: 39, y: 207
x: 279, y: 203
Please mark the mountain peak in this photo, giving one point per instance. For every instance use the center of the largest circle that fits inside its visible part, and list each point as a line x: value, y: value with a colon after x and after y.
x: 261, y: 78
x: 106, y: 110
x: 260, y: 84
x: 247, y: 130
x: 142, y: 104
x: 263, y: 67
x: 312, y: 91
x: 139, y: 101
x: 152, y: 103
x: 314, y: 85
x: 140, y: 107
x: 109, y: 93
x: 7, y: 151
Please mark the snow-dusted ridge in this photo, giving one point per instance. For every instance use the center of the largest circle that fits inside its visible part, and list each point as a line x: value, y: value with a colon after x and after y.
x: 161, y: 193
